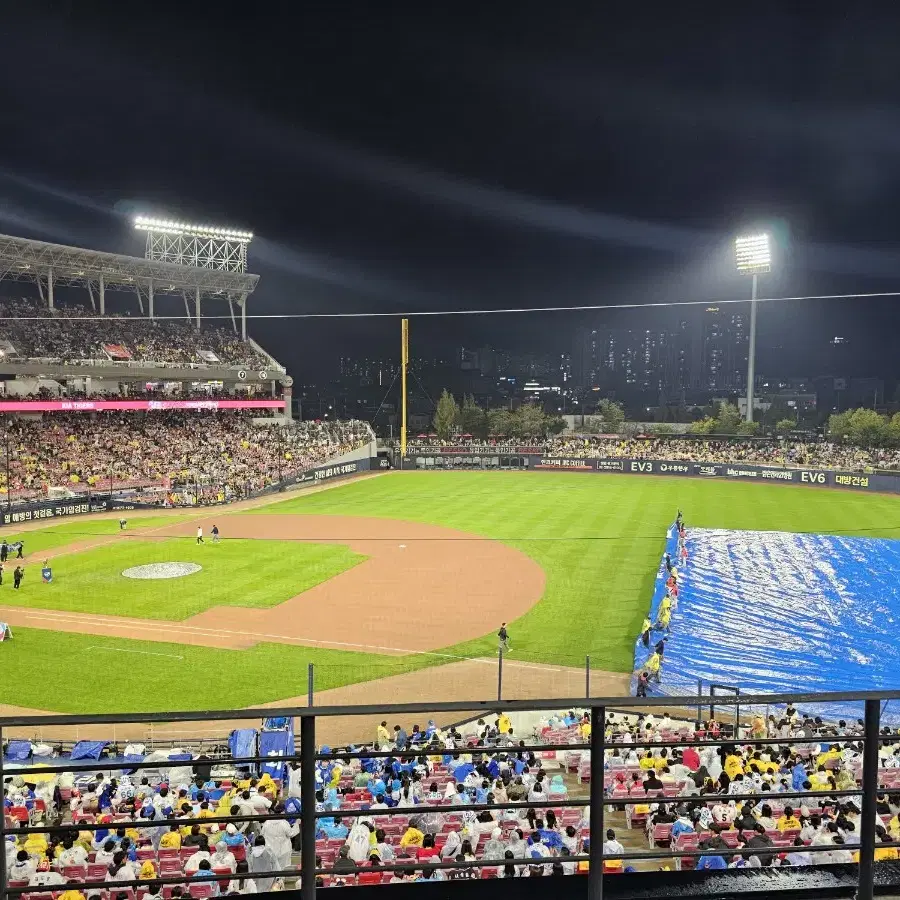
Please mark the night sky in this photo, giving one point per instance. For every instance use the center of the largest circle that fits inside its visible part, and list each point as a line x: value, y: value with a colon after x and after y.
x: 475, y: 156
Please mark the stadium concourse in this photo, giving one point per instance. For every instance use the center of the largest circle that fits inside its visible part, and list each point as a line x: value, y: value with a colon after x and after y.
x: 785, y: 453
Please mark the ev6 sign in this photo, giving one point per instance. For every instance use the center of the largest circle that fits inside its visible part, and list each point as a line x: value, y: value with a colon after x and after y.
x: 863, y: 481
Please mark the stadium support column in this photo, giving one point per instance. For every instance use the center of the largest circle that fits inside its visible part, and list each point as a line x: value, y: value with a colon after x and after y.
x: 197, y: 306
x: 598, y: 747
x: 4, y: 847
x: 150, y: 299
x: 102, y: 295
x: 404, y: 360
x: 244, y: 317
x: 50, y: 288
x: 308, y: 806
x: 865, y: 889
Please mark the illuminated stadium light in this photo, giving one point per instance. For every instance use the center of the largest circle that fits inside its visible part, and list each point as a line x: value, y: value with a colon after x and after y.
x: 169, y: 226
x: 752, y: 254
x: 201, y: 246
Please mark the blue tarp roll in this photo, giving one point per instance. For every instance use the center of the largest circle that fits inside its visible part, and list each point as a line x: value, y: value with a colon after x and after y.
x: 89, y: 749
x: 18, y: 751
x: 641, y: 653
x: 242, y: 742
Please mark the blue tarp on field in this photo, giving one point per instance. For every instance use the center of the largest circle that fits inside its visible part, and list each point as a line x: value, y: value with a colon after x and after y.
x: 778, y: 612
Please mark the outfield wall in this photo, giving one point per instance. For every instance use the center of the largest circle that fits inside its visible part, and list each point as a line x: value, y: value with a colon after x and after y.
x: 862, y: 481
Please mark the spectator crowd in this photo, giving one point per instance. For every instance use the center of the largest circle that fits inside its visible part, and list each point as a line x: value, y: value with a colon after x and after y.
x: 784, y: 454
x: 788, y: 453
x: 73, y: 334
x: 409, y: 807
x: 224, y: 450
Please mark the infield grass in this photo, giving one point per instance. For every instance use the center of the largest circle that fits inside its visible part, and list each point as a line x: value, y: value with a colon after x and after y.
x: 234, y: 572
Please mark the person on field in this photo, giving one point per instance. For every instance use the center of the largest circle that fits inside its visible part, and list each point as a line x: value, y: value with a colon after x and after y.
x: 645, y: 632
x: 18, y: 575
x: 664, y: 616
x: 215, y: 534
x: 122, y: 524
x: 503, y: 635
x: 200, y: 535
x: 20, y: 551
x: 643, y: 681
x: 4, y: 551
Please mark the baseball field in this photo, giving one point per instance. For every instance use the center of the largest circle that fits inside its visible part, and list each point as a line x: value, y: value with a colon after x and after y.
x: 393, y: 586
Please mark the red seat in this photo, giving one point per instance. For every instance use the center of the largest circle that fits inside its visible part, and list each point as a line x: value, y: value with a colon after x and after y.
x: 96, y: 871
x: 662, y: 835
x: 369, y: 877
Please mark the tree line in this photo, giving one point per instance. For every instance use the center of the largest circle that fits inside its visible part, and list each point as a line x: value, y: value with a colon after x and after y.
x: 865, y: 428
x: 528, y: 421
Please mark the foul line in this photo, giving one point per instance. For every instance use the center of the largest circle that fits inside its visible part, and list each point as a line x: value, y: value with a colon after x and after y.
x: 123, y: 650
x: 141, y: 625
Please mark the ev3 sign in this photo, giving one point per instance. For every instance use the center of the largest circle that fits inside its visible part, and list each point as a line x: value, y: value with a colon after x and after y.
x: 812, y: 477
x: 641, y: 466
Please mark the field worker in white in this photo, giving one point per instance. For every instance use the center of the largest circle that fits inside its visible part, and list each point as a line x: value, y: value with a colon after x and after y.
x: 200, y: 534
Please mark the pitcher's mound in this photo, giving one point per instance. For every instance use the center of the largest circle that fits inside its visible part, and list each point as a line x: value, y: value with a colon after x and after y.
x: 162, y: 570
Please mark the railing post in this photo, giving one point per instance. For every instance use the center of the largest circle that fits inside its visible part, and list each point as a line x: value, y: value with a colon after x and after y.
x: 310, y: 683
x: 499, y: 674
x: 865, y: 888
x: 598, y: 746
x: 307, y: 806
x: 587, y: 677
x: 2, y: 819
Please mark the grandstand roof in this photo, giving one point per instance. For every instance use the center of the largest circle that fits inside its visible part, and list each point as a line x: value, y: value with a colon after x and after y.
x: 26, y: 260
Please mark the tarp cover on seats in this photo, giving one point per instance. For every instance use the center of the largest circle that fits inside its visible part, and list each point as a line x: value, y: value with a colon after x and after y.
x: 769, y: 611
x: 242, y: 743
x: 18, y: 751
x: 276, y: 743
x: 89, y: 749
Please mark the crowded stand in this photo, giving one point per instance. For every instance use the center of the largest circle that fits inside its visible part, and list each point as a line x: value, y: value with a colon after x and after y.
x: 186, y: 816
x: 224, y: 450
x: 784, y: 454
x: 74, y: 334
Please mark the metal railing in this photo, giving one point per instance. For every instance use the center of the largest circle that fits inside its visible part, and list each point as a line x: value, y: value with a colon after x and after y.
x: 597, y: 802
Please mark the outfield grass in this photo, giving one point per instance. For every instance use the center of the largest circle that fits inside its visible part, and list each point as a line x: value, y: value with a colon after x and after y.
x: 598, y: 538
x: 250, y: 573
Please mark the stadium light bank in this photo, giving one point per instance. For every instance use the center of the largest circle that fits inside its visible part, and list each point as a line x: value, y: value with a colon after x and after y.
x: 204, y: 246
x: 753, y: 256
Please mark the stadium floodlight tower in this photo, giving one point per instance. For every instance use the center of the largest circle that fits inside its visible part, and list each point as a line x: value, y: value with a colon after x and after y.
x: 203, y: 246
x: 753, y: 257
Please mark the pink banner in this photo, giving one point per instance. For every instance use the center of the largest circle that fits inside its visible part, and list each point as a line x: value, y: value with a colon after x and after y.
x: 93, y: 405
